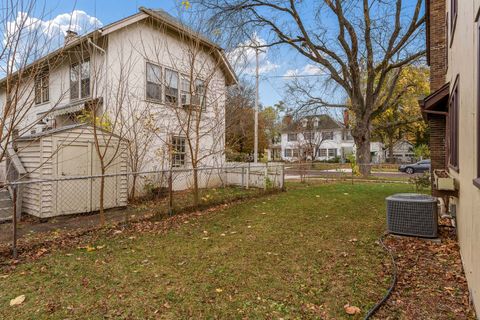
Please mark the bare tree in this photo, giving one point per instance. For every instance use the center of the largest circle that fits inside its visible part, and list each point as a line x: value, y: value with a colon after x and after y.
x: 362, y: 49
x: 25, y: 83
x: 186, y: 88
x: 112, y: 108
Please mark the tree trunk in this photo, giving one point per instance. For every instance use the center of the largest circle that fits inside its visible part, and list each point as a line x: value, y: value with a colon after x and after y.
x: 363, y: 156
x: 102, y: 192
x: 134, y: 183
x: 390, y: 151
x: 195, y: 187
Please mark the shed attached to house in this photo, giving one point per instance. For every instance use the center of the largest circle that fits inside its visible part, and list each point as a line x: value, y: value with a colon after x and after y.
x: 61, y: 165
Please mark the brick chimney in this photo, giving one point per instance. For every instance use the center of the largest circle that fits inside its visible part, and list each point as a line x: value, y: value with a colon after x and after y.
x: 346, y: 118
x: 287, y: 119
x: 70, y: 36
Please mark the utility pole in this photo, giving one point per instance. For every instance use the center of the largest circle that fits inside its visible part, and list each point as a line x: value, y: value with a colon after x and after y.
x: 255, y: 141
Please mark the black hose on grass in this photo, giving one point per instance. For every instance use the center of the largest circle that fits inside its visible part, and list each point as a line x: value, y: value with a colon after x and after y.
x: 375, y: 308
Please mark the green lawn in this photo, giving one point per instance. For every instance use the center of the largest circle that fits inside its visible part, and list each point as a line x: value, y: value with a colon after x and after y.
x: 302, y: 254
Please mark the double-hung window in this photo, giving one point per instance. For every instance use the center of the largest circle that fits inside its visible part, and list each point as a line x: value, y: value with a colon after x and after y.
x: 154, y: 82
x: 80, y: 80
x: 292, y: 137
x: 194, y: 97
x: 288, y: 153
x: 42, y: 88
x: 453, y: 17
x: 453, y: 128
x: 171, y: 86
x: 179, y: 151
x: 322, y: 153
x: 477, y: 180
x: 327, y: 135
x: 185, y: 93
x: 200, y: 92
x: 309, y: 136
x: 332, y: 153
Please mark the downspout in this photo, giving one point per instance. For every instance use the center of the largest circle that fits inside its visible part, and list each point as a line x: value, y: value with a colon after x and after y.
x: 105, y: 66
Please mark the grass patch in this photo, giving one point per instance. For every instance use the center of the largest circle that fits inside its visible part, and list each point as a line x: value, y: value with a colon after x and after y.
x: 301, y: 254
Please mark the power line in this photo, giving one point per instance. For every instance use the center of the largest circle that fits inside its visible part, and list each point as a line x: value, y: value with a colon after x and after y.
x: 288, y: 76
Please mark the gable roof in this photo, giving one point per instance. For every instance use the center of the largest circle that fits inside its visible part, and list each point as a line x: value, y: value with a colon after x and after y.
x: 325, y: 122
x: 144, y: 13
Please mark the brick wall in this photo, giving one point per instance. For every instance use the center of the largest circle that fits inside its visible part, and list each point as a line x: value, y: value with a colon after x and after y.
x: 438, y: 43
x: 437, y: 124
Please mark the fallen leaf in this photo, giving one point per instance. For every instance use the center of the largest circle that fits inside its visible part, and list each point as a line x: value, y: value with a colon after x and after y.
x: 18, y: 300
x: 219, y: 290
x: 351, y: 310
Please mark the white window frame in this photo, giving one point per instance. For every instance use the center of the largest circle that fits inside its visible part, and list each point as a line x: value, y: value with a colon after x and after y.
x: 168, y: 88
x: 178, y: 158
x: 42, y: 87
x: 79, y: 84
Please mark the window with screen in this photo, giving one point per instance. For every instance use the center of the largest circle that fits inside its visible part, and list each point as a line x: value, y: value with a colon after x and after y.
x: 292, y: 137
x: 327, y: 135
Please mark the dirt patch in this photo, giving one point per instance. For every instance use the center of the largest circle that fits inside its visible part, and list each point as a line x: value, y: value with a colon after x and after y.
x: 431, y: 283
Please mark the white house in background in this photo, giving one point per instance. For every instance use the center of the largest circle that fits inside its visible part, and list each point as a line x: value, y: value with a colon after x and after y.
x: 402, y: 152
x: 317, y: 137
x: 144, y: 59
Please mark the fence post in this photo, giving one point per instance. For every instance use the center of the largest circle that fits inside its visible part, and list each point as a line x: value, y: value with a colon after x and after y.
x: 243, y: 176
x: 247, y: 184
x: 283, y: 177
x: 14, y: 217
x: 265, y: 178
x: 170, y: 193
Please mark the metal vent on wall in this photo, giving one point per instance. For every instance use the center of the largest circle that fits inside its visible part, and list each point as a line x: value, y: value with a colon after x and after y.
x: 412, y: 214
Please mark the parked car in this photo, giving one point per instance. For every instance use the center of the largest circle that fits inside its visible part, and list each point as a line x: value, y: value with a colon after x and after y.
x: 420, y: 166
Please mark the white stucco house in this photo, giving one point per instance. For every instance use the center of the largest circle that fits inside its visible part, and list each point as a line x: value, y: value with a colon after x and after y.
x: 316, y: 137
x: 146, y: 69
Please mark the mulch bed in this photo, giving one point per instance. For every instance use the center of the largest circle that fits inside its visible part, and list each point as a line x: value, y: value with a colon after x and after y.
x: 431, y: 283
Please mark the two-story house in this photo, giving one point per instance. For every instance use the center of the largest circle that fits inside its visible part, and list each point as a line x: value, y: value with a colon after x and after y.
x: 318, y: 137
x: 142, y: 62
x: 453, y: 115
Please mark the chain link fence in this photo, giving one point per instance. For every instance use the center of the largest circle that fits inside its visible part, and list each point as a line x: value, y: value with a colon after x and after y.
x: 69, y: 201
x: 321, y: 171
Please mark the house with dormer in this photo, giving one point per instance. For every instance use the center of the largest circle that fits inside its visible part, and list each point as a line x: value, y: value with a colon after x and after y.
x: 319, y: 138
